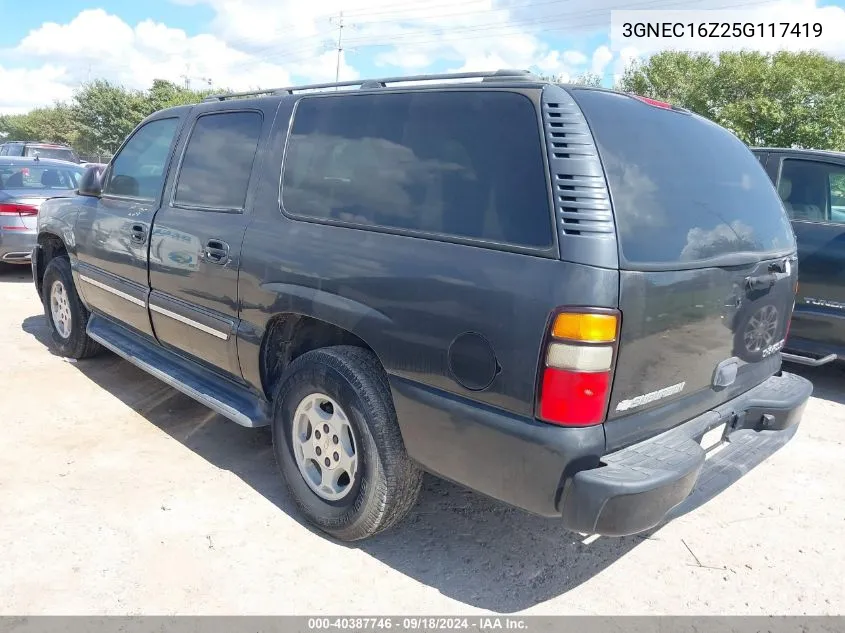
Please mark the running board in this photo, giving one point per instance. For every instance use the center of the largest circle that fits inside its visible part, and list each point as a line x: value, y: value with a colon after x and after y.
x: 216, y: 392
x: 807, y: 360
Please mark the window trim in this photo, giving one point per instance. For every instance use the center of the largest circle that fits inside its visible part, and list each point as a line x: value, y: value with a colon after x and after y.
x: 197, y: 207
x: 551, y: 251
x: 785, y: 157
x: 110, y: 168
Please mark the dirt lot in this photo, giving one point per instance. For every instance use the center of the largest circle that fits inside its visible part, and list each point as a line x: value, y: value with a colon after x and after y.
x: 119, y: 495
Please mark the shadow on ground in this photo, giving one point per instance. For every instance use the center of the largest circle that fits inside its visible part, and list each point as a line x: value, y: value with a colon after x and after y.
x: 16, y: 274
x: 470, y: 548
x: 828, y: 380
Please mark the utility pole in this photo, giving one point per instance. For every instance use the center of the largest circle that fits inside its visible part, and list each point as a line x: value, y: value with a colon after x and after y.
x: 340, y: 24
x: 187, y: 76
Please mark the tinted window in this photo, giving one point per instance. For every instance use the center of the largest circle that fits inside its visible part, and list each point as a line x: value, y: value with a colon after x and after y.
x: 138, y: 170
x: 465, y: 164
x: 683, y: 188
x: 813, y: 191
x: 218, y: 161
x: 30, y: 177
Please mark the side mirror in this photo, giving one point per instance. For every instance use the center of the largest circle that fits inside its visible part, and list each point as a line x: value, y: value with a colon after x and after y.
x: 91, y: 183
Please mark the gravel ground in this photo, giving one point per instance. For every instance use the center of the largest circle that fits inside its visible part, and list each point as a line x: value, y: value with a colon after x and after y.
x: 118, y: 495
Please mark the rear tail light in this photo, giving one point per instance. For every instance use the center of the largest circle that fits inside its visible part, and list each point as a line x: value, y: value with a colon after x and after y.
x: 577, y: 367
x: 15, y: 210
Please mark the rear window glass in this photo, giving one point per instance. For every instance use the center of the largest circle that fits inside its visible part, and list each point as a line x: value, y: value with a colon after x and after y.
x: 46, y: 177
x: 683, y: 188
x: 56, y: 153
x: 464, y: 164
x: 218, y: 161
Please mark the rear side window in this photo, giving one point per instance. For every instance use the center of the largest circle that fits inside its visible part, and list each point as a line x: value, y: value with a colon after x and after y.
x: 683, y: 189
x: 813, y: 191
x: 463, y: 164
x: 218, y: 161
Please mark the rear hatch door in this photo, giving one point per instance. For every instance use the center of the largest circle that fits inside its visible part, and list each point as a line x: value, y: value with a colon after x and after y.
x: 707, y: 263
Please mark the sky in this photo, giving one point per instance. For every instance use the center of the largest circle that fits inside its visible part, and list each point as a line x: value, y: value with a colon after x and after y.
x: 48, y: 48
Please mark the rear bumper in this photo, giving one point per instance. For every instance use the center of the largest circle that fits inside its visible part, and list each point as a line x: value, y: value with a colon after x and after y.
x: 636, y: 487
x: 16, y: 246
x: 564, y: 472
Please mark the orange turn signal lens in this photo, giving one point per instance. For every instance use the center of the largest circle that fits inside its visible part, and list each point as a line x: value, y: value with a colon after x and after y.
x: 591, y: 328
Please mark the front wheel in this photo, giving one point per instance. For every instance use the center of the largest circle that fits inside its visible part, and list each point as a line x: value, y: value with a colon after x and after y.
x: 66, y: 316
x: 338, y: 445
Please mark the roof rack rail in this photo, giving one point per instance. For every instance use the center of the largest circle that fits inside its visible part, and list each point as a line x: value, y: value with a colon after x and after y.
x: 369, y: 84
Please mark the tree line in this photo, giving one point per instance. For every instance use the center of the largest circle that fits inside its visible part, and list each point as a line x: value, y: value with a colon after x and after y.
x: 783, y: 99
x: 98, y: 118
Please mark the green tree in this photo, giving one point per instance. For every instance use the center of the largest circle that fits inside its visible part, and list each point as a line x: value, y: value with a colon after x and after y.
x: 100, y: 116
x: 166, y: 94
x: 783, y: 99
x: 105, y: 114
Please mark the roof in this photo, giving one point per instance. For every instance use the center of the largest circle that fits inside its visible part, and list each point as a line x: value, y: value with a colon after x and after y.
x: 31, y: 160
x: 795, y: 150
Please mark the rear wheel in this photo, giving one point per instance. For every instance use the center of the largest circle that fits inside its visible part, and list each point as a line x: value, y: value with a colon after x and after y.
x: 338, y: 444
x: 66, y: 316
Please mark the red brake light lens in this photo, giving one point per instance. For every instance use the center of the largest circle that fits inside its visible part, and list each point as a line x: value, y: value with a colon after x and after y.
x: 13, y: 208
x: 572, y: 398
x: 654, y: 102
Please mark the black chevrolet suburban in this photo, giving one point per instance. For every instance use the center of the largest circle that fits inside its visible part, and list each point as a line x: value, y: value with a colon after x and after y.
x: 569, y: 299
x: 811, y: 184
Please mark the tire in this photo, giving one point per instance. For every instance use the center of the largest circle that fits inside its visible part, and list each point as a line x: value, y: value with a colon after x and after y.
x: 71, y: 341
x: 386, y: 483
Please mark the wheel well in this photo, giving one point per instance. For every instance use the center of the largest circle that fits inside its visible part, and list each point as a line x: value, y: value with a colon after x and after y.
x: 51, y: 247
x: 289, y: 336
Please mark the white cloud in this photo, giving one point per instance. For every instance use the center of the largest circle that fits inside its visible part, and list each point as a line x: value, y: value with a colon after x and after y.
x: 135, y: 56
x: 25, y: 89
x: 574, y: 58
x: 601, y: 58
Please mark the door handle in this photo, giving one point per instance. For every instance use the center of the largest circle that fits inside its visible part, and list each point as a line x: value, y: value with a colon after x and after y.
x: 216, y: 252
x: 138, y: 233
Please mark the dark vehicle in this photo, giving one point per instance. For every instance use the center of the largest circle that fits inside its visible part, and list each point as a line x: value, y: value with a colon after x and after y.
x: 516, y: 285
x: 32, y: 149
x: 811, y: 185
x: 25, y: 183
